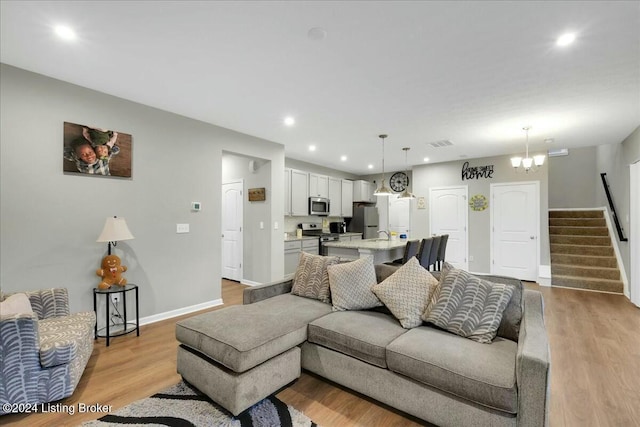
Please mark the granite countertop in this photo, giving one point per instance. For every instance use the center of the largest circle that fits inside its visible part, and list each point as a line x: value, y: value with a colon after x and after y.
x: 371, y: 244
x: 293, y: 238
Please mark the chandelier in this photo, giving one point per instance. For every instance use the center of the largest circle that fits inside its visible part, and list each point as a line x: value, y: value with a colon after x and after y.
x: 527, y: 163
x: 406, y: 194
x: 382, y: 190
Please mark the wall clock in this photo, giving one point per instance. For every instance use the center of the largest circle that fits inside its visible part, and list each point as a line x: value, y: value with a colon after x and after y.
x: 399, y: 181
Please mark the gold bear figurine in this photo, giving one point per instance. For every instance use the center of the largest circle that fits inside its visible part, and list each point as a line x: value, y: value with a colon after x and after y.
x: 111, y: 272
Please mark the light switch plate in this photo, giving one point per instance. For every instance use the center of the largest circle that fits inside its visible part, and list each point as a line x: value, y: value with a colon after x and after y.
x: 182, y: 228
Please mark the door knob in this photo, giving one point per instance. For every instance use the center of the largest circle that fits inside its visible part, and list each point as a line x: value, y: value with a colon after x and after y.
x: 532, y: 237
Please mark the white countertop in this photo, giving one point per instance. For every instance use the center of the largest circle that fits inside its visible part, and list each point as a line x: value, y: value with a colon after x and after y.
x: 370, y: 244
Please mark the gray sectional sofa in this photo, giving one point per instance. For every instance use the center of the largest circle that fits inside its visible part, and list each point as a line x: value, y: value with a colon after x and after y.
x: 241, y: 354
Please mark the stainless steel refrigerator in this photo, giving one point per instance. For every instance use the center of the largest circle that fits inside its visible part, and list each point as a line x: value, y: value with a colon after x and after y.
x: 365, y: 221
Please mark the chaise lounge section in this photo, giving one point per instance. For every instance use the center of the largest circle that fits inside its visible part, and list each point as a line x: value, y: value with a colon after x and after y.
x: 239, y: 355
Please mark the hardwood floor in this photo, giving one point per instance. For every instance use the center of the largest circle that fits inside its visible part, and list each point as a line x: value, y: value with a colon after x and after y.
x: 595, y: 371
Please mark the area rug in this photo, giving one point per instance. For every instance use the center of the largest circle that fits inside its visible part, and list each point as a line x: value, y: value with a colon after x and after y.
x: 183, y: 406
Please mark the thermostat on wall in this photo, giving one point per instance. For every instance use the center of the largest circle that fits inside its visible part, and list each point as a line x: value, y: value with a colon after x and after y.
x: 196, y: 206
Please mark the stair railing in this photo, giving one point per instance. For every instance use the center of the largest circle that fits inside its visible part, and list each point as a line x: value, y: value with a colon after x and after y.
x: 613, y: 208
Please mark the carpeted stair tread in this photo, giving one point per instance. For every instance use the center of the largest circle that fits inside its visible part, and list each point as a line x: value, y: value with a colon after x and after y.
x: 577, y: 222
x: 581, y: 240
x: 585, y: 271
x: 560, y: 248
x: 582, y: 255
x: 576, y: 214
x: 580, y: 259
x: 579, y: 231
x: 604, y: 285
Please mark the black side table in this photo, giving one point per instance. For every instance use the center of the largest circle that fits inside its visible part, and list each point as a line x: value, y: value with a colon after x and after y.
x: 125, y: 327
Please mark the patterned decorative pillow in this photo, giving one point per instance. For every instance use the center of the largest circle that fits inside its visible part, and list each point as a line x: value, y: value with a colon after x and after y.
x: 467, y: 305
x: 351, y: 284
x: 16, y: 304
x: 311, y: 279
x: 407, y: 292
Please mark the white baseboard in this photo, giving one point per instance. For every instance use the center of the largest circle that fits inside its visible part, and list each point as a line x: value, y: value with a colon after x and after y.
x: 250, y: 282
x: 179, y: 312
x: 544, y: 275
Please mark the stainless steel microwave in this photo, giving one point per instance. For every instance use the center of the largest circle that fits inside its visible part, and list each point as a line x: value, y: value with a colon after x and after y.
x: 318, y: 206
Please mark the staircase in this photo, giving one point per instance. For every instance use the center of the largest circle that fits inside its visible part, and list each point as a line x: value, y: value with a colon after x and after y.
x: 582, y: 256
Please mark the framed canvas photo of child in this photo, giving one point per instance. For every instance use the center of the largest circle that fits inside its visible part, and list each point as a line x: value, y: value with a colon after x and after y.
x: 91, y: 150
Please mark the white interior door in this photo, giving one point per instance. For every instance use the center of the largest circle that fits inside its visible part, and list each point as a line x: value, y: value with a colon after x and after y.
x: 400, y: 215
x: 448, y: 215
x: 634, y: 234
x: 232, y: 230
x: 515, y: 212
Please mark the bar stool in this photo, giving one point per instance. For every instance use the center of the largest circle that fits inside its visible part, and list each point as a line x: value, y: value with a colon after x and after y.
x: 433, y: 256
x: 425, y: 252
x: 442, y: 251
x: 410, y: 250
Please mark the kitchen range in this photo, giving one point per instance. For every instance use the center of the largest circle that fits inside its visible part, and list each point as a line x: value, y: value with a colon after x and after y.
x: 313, y: 229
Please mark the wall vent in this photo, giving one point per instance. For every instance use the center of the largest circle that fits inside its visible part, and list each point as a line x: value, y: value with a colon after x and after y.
x: 558, y: 152
x: 441, y: 143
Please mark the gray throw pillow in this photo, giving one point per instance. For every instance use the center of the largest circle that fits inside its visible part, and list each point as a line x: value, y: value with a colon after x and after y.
x: 351, y: 283
x: 468, y: 306
x: 407, y: 292
x: 311, y: 279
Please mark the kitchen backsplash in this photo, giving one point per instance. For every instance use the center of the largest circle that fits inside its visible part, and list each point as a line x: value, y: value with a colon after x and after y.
x: 291, y: 222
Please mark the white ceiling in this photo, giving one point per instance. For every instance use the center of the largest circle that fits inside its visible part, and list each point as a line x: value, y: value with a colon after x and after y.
x: 474, y: 73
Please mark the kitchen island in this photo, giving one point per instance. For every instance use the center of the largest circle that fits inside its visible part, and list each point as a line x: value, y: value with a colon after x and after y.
x: 382, y: 250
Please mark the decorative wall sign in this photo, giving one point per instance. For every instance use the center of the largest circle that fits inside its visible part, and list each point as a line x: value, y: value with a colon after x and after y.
x: 471, y: 172
x: 96, y: 151
x: 257, y: 194
x: 422, y: 203
x: 478, y: 202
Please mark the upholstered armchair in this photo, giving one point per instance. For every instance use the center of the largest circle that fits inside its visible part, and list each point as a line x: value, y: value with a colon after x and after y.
x: 43, y: 354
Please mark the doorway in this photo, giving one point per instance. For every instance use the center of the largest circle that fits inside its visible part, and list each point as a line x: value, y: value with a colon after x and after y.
x: 232, y: 230
x: 515, y: 226
x: 448, y: 215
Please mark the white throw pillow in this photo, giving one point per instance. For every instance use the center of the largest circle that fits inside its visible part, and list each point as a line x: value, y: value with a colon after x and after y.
x: 16, y: 304
x: 351, y: 284
x: 407, y: 292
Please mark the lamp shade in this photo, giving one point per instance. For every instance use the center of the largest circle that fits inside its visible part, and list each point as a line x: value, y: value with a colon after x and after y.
x: 115, y: 229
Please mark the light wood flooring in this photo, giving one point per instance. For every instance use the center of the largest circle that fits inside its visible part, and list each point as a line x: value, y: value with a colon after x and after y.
x: 595, y: 371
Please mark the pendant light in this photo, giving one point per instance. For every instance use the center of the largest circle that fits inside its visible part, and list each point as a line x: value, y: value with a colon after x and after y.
x: 382, y: 190
x: 406, y: 194
x: 528, y: 162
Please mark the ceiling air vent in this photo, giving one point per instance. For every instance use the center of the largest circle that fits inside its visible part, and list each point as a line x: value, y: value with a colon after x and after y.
x: 441, y: 143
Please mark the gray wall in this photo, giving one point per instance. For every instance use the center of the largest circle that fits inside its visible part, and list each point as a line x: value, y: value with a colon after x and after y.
x: 255, y: 241
x: 614, y: 160
x: 577, y: 173
x: 49, y: 221
x: 449, y: 174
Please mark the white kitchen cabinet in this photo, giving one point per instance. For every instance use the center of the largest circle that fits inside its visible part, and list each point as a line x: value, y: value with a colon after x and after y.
x: 363, y: 191
x: 287, y: 192
x: 292, y: 251
x: 335, y: 197
x: 346, y: 208
x: 299, y: 193
x: 318, y: 185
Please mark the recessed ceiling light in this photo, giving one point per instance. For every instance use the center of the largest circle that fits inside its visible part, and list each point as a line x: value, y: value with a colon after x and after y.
x: 548, y: 140
x: 312, y: 148
x: 566, y: 39
x: 343, y: 158
x: 65, y: 32
x: 426, y: 159
x: 289, y: 121
x: 370, y: 166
